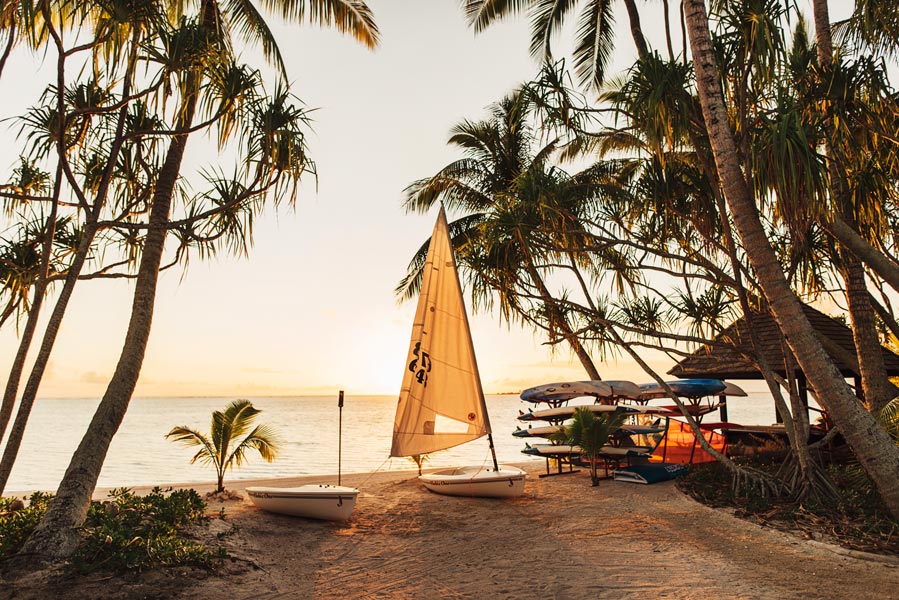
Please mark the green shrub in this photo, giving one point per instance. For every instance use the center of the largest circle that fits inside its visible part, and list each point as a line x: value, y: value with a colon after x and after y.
x: 127, y: 532
x: 133, y: 532
x: 16, y: 526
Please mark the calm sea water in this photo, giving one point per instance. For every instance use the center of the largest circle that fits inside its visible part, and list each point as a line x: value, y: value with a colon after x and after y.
x: 140, y: 454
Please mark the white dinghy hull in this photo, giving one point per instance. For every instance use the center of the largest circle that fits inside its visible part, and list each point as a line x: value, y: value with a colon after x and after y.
x: 326, y: 502
x: 478, y: 482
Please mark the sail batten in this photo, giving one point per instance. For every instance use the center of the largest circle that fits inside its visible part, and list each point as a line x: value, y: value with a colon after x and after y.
x: 441, y: 376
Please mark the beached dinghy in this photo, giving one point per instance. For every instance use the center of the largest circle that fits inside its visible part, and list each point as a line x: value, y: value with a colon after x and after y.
x: 327, y: 502
x: 441, y: 401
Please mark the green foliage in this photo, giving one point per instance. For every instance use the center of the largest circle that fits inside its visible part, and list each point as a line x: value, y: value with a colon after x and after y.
x: 128, y: 532
x: 133, y: 532
x: 591, y: 432
x: 17, y: 525
x: 419, y: 460
x: 221, y: 447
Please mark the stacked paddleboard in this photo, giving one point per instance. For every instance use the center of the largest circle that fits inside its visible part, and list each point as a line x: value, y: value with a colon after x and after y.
x: 606, y: 396
x: 637, y: 438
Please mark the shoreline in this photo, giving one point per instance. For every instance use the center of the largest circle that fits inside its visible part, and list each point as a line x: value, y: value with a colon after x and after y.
x: 203, y: 487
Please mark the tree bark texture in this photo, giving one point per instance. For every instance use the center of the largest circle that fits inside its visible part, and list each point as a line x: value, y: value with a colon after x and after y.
x: 636, y: 30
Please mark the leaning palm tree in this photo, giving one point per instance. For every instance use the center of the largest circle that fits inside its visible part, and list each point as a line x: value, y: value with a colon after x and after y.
x: 510, y: 192
x: 868, y: 440
x: 591, y: 432
x: 221, y: 447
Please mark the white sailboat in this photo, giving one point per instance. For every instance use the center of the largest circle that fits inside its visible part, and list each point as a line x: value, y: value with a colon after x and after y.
x: 441, y: 401
x: 327, y: 502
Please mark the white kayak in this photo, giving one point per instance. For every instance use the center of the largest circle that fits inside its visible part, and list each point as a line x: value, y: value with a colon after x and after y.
x: 327, y: 502
x: 565, y: 412
x: 568, y: 390
x: 507, y: 482
x: 554, y: 450
x: 626, y: 429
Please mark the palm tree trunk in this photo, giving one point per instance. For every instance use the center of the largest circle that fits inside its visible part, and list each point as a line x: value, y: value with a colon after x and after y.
x: 636, y: 30
x: 871, y: 444
x: 878, y: 390
x: 56, y: 537
x: 10, y: 452
x: 40, y: 290
x: 562, y: 323
x: 871, y: 256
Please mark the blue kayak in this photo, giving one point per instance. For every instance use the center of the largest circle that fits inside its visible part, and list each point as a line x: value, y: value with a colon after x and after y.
x: 686, y: 388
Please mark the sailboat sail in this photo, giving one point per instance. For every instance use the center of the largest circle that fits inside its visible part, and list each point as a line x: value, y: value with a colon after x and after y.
x: 441, y: 402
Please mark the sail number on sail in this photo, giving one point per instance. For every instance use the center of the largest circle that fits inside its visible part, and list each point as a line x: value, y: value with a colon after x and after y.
x: 421, y: 365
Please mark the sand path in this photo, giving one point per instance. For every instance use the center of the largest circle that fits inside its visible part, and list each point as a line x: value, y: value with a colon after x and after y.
x: 562, y: 539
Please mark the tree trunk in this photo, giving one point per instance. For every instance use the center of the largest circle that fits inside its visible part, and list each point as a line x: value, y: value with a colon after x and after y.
x: 29, y: 395
x: 40, y: 290
x: 868, y: 254
x: 871, y: 444
x: 43, y: 356
x: 636, y: 29
x: 563, y: 325
x: 878, y: 390
x: 56, y: 537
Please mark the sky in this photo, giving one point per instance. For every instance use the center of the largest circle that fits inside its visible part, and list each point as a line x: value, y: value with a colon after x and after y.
x: 311, y: 311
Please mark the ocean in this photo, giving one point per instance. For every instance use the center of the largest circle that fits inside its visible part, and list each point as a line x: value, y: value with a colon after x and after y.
x: 308, y: 425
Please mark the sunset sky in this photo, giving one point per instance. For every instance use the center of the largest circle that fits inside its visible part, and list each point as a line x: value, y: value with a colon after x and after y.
x: 312, y: 309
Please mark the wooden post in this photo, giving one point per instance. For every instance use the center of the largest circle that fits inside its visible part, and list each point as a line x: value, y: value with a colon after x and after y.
x: 803, y: 393
x: 722, y: 408
x: 339, y: 434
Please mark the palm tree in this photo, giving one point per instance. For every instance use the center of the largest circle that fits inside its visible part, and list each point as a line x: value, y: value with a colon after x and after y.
x: 137, y: 22
x: 591, y: 432
x: 878, y: 390
x: 54, y: 538
x: 868, y: 440
x: 221, y: 447
x: 507, y: 190
x: 595, y: 36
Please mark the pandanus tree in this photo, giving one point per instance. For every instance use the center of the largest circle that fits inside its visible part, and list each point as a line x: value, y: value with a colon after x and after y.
x: 196, y: 64
x: 120, y: 30
x: 232, y: 435
x: 506, y: 186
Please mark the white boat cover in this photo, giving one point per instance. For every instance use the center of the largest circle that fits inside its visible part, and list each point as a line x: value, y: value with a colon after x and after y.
x: 441, y: 402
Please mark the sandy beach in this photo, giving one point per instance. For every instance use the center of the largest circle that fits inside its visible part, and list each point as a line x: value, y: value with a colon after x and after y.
x: 561, y: 539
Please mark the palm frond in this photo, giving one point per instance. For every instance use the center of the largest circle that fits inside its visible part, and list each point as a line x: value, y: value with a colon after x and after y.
x: 483, y: 13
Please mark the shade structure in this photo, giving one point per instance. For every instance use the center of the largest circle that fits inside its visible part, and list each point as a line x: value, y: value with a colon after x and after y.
x: 732, y: 356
